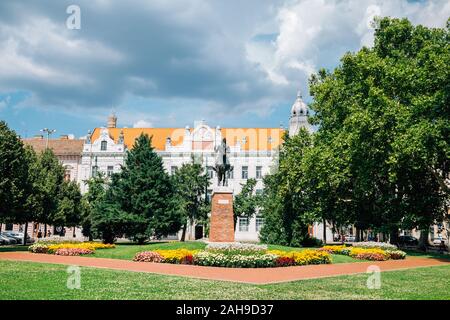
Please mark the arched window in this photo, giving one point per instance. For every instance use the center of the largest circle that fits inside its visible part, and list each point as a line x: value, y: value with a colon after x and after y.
x: 103, y: 146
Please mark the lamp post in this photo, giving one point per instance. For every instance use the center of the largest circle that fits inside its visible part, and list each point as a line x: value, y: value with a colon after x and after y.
x: 48, y: 132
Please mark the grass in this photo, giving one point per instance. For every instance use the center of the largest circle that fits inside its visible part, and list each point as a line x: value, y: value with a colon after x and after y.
x: 128, y: 251
x: 48, y: 281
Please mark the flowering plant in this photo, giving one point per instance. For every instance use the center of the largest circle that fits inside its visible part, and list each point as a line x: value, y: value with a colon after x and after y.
x: 397, y: 254
x: 236, y: 248
x: 178, y: 256
x: 82, y: 245
x: 38, y: 248
x: 369, y: 254
x: 148, y: 256
x: 72, y: 251
x: 375, y: 245
x: 217, y: 259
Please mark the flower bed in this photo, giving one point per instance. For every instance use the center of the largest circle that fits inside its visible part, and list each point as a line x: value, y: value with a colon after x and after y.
x: 45, y: 247
x: 148, y: 256
x: 374, y: 245
x: 235, y: 256
x: 367, y: 251
x: 72, y: 251
x: 236, y: 248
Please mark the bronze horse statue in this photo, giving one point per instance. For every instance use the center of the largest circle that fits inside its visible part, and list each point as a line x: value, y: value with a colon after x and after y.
x: 222, y: 163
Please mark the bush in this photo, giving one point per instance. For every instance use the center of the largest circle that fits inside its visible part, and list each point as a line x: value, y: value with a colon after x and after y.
x: 72, y: 251
x: 148, y: 256
x: 309, y: 242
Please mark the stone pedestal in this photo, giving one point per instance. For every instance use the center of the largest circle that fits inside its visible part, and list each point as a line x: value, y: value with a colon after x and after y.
x: 222, y: 221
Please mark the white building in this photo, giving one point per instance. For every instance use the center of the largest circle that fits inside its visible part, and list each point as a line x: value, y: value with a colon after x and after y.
x: 252, y: 154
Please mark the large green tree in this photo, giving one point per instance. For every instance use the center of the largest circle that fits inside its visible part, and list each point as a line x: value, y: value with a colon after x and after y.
x: 14, y: 169
x: 247, y: 202
x: 385, y: 112
x: 191, y: 184
x: 140, y: 201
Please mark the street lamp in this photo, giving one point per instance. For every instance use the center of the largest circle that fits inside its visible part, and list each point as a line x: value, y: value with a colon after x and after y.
x: 48, y: 132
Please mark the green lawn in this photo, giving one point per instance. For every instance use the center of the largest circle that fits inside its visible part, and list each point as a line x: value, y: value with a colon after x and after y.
x: 128, y: 251
x: 47, y: 281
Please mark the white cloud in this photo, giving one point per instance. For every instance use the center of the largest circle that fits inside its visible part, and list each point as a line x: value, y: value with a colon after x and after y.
x: 142, y: 124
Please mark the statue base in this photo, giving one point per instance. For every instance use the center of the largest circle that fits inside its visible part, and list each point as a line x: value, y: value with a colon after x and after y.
x: 222, y: 219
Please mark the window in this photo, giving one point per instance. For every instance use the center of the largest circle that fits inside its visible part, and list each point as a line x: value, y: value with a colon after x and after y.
x: 243, y: 224
x: 109, y: 171
x: 94, y: 171
x: 173, y: 169
x: 258, y: 172
x: 8, y: 227
x: 244, y: 172
x: 259, y: 223
x: 67, y: 175
x: 208, y: 195
x: 210, y: 172
x: 103, y: 146
x: 259, y: 192
x: 230, y: 175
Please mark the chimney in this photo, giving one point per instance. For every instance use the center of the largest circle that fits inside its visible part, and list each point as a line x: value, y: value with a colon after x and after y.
x: 112, y: 121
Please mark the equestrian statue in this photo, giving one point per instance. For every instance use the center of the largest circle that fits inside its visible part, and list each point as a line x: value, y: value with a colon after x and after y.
x: 222, y: 163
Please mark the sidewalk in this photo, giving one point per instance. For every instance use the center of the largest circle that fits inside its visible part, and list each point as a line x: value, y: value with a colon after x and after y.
x: 243, y: 275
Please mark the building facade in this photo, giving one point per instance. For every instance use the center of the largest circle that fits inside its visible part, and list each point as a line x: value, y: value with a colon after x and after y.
x: 252, y: 155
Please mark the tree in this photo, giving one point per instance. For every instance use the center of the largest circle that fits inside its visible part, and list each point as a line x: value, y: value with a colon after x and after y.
x: 48, y: 185
x: 14, y: 169
x: 246, y: 203
x: 286, y: 205
x: 191, y: 183
x: 384, y: 111
x: 140, y: 201
x: 69, y: 209
x: 91, y: 199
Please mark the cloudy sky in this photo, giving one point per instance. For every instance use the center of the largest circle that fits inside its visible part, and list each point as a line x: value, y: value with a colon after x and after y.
x: 234, y: 63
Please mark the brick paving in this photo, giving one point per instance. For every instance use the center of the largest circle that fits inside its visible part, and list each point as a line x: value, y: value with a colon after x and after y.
x: 243, y: 275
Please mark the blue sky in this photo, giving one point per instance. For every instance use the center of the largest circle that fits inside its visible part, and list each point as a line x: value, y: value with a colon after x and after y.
x: 169, y: 63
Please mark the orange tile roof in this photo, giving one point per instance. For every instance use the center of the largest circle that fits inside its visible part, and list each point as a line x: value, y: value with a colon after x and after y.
x: 60, y: 147
x: 257, y: 139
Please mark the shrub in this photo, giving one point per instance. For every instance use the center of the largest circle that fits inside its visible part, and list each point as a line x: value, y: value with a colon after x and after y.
x: 309, y: 242
x: 72, y: 251
x: 342, y: 249
x: 375, y: 245
x: 148, y: 256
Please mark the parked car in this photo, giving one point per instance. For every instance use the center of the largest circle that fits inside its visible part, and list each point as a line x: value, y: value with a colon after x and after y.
x: 350, y: 238
x: 8, y: 240
x: 15, y: 235
x: 438, y: 240
x: 408, y: 241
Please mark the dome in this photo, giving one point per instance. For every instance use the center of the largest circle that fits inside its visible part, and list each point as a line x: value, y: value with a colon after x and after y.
x: 299, y: 107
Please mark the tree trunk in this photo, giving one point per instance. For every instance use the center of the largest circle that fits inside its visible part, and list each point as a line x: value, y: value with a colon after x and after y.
x: 45, y: 230
x: 358, y: 235
x: 393, y: 237
x: 324, y: 231
x: 74, y: 234
x: 183, y: 234
x: 1, y: 226
x: 25, y: 234
x: 423, y: 239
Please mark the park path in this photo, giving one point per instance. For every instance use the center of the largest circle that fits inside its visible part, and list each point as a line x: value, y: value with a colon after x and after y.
x: 243, y: 275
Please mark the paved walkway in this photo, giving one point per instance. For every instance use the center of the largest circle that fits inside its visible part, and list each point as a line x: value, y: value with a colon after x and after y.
x: 244, y: 275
